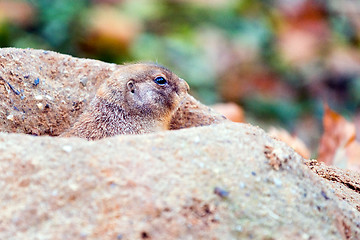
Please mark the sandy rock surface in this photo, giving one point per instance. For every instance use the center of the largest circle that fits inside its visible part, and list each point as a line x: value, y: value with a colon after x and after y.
x: 42, y: 92
x: 215, y: 182
x: 346, y: 183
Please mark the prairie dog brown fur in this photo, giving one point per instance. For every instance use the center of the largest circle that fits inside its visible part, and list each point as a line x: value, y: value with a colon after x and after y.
x: 137, y: 98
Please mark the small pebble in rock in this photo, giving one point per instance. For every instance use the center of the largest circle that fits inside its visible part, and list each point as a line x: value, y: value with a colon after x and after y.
x: 242, y: 185
x: 36, y: 82
x: 221, y: 192
x: 67, y: 148
x: 216, y: 218
x: 196, y: 139
x: 83, y: 81
x: 119, y: 237
x: 277, y: 182
x: 10, y: 117
x: 38, y: 97
x: 306, y: 236
x: 54, y: 193
x: 198, y: 163
x: 49, y: 97
x: 40, y: 106
x: 238, y: 228
x: 253, y: 173
x: 324, y: 195
x: 73, y: 186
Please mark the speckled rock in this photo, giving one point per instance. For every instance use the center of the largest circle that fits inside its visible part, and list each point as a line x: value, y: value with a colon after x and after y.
x: 225, y: 181
x: 345, y: 183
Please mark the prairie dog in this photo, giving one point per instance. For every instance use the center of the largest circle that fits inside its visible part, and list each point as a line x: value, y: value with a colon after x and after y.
x: 137, y: 98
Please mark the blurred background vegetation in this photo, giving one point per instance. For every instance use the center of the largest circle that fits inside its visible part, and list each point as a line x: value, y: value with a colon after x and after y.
x: 278, y: 59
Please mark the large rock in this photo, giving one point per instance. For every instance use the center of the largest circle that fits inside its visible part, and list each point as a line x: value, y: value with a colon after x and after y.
x: 226, y: 181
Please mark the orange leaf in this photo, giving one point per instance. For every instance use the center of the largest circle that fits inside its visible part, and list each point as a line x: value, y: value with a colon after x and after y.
x: 231, y: 111
x: 338, y: 135
x: 296, y: 143
x: 353, y: 154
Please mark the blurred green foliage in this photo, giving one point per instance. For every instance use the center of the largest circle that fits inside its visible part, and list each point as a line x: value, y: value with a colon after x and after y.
x: 289, y: 56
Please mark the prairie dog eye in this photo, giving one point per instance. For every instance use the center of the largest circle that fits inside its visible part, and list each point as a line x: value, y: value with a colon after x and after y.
x: 160, y: 81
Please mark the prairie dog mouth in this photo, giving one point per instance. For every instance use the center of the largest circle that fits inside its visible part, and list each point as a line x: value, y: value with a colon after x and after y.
x: 183, y: 99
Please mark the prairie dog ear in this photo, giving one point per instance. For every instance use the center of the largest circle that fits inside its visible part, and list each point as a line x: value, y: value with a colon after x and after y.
x: 131, y: 86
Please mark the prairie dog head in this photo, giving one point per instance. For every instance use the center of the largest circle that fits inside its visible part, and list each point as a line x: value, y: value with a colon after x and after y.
x: 144, y: 90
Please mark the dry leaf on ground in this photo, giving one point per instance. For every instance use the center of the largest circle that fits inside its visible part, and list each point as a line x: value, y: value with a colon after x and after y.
x: 338, y: 145
x: 230, y: 110
x: 293, y: 141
